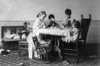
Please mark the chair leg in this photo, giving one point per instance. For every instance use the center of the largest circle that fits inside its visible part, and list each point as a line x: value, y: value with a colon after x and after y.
x: 19, y: 52
x: 58, y: 50
x: 46, y: 56
x: 84, y: 49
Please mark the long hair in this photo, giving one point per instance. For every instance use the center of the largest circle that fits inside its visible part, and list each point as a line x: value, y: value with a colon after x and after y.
x: 41, y: 13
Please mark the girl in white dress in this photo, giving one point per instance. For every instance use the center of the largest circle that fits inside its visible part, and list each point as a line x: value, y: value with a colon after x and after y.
x: 39, y: 23
x: 74, y: 31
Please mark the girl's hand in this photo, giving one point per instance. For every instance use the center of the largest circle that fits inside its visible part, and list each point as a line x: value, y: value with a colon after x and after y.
x: 68, y: 40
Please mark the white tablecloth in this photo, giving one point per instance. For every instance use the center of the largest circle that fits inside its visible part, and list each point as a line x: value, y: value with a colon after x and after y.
x: 56, y: 31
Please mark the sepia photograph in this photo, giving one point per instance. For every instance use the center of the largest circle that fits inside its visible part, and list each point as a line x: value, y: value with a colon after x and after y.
x: 49, y: 33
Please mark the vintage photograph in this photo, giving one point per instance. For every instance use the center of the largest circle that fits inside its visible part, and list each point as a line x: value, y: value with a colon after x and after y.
x: 49, y: 33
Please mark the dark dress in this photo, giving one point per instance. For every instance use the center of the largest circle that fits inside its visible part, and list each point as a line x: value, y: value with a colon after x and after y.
x: 52, y: 24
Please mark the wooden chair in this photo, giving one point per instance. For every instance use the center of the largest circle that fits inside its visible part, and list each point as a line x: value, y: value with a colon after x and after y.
x: 85, y: 23
x: 72, y: 50
x: 42, y: 47
x: 23, y: 44
x: 23, y: 47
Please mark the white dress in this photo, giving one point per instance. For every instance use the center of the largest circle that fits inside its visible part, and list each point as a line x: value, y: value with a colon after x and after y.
x: 31, y: 47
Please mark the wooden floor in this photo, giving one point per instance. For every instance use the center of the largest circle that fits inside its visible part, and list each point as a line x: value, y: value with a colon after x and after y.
x: 13, y: 59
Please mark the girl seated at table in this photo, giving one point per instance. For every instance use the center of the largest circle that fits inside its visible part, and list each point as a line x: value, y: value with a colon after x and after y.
x: 52, y: 23
x: 73, y: 32
x: 39, y: 23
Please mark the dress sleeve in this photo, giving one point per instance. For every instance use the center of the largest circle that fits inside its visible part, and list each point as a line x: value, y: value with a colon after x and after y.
x: 75, y: 34
x: 35, y: 25
x: 65, y: 23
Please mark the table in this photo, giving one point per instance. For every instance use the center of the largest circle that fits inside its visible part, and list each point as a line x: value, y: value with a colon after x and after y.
x: 54, y: 31
x: 57, y: 34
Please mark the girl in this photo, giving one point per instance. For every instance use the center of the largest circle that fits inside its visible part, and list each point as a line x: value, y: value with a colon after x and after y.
x: 74, y: 31
x: 39, y: 23
x: 52, y: 23
x: 69, y: 20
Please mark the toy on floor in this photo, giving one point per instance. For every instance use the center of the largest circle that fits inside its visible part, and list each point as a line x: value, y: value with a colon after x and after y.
x: 4, y: 52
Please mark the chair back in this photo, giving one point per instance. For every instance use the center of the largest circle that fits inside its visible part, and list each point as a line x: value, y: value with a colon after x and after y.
x: 84, y: 27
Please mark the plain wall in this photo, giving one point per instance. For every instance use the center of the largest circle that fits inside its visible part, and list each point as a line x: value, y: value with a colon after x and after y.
x: 28, y: 9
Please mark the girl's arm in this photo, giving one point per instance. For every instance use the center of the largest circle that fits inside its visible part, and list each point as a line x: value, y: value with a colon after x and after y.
x: 64, y: 24
x: 43, y: 25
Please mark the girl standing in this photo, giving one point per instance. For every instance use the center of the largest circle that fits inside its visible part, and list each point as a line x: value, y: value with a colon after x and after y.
x: 39, y: 23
